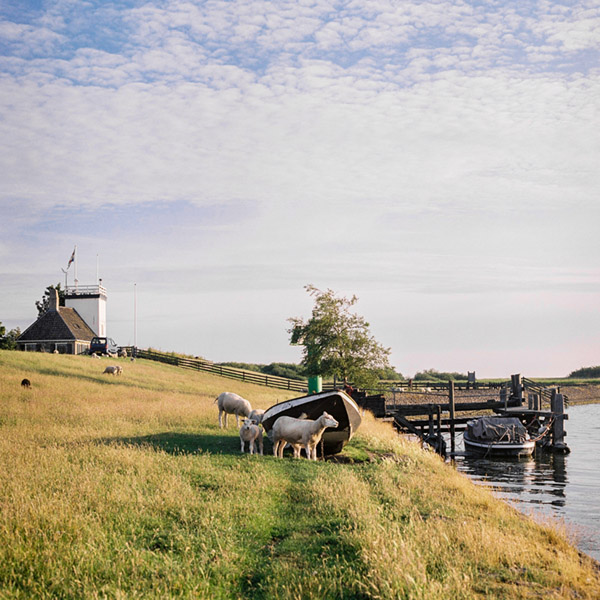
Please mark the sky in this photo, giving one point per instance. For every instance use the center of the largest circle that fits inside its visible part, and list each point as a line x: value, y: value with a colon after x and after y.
x: 438, y: 159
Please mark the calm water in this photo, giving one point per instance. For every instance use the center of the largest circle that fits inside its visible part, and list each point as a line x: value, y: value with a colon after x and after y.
x: 565, y: 487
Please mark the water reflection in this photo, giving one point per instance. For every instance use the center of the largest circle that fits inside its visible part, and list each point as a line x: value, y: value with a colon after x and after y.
x: 564, y: 486
x: 541, y: 479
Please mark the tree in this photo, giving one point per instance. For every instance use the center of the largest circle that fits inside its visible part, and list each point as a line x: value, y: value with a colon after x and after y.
x: 337, y: 342
x: 43, y: 304
x: 8, y: 341
x: 435, y: 375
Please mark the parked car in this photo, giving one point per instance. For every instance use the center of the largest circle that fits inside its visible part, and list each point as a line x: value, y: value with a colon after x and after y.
x: 103, y: 345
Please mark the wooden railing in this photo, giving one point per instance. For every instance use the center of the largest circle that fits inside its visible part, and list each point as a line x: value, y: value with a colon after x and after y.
x: 196, y: 364
x: 544, y: 393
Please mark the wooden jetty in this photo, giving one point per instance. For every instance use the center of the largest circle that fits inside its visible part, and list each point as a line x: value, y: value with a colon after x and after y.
x: 541, y: 410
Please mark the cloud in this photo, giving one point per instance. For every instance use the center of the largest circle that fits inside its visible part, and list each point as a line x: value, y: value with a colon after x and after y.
x: 423, y: 149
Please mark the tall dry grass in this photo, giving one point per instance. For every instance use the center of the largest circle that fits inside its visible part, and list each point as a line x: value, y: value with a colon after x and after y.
x: 125, y: 487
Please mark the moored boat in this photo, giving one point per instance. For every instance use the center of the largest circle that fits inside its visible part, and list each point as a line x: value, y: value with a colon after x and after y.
x: 500, y: 437
x: 336, y: 402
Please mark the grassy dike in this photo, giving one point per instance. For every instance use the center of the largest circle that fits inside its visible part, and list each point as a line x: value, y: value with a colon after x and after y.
x: 125, y: 487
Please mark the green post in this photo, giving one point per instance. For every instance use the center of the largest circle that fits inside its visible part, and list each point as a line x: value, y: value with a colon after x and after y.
x: 315, y: 384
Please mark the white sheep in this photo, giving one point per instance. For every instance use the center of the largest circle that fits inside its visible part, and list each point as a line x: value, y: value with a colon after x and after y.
x: 257, y: 415
x: 122, y: 353
x: 232, y: 404
x: 300, y: 433
x: 113, y: 370
x: 251, y: 432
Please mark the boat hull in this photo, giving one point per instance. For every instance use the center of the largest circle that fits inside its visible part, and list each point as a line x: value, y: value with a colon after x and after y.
x: 498, y: 449
x: 337, y: 403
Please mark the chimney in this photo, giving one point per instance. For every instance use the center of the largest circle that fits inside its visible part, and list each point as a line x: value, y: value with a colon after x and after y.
x: 53, y: 300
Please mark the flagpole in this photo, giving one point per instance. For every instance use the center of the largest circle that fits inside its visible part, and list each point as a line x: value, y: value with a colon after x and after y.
x: 75, y: 252
x: 135, y: 315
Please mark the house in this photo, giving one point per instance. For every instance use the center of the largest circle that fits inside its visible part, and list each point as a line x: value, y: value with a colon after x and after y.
x: 60, y: 328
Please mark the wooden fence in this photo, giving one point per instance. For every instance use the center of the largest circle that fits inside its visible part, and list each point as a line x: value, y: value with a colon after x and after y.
x: 196, y: 364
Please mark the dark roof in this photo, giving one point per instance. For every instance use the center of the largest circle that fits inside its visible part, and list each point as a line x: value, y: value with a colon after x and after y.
x: 62, y: 324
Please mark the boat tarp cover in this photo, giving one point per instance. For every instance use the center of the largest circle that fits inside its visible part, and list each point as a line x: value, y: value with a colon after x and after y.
x: 496, y: 429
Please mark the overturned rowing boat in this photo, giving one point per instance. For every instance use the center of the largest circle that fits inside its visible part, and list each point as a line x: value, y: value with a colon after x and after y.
x: 336, y: 402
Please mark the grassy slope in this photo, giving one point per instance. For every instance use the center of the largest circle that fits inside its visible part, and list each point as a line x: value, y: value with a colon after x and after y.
x: 124, y: 487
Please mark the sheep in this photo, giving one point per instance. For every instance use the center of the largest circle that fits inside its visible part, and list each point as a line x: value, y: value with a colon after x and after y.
x: 251, y: 432
x: 26, y: 384
x: 232, y: 404
x: 122, y: 353
x: 257, y: 415
x: 300, y: 433
x: 94, y: 355
x: 113, y: 370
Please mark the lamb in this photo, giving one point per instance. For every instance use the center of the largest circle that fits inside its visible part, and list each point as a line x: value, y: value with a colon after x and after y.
x: 251, y: 432
x: 113, y: 370
x: 257, y: 415
x: 232, y: 404
x: 300, y: 433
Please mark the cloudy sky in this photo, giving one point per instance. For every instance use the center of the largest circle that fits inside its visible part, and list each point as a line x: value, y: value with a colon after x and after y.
x: 438, y: 159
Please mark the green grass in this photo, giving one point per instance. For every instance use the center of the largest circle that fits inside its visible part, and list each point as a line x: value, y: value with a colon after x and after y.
x: 125, y: 487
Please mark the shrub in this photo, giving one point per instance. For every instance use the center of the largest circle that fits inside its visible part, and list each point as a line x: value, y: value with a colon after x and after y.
x: 434, y: 375
x: 586, y: 373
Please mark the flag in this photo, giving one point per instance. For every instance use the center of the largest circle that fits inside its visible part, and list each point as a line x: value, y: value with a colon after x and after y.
x: 72, y: 257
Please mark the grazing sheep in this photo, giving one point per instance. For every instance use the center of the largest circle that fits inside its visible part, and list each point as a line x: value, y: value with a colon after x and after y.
x: 26, y: 384
x: 113, y: 370
x: 251, y: 432
x: 300, y: 433
x: 232, y: 404
x: 257, y: 415
x: 122, y: 353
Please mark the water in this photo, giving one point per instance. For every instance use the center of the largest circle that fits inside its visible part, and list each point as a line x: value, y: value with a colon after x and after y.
x: 563, y: 486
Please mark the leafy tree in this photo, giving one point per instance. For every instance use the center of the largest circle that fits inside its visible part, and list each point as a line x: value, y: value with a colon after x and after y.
x: 289, y: 370
x: 8, y: 341
x: 586, y: 373
x: 390, y: 374
x: 43, y: 304
x: 337, y: 342
x: 434, y: 375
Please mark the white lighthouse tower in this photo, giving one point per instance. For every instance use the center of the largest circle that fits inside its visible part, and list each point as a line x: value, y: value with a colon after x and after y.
x: 90, y: 302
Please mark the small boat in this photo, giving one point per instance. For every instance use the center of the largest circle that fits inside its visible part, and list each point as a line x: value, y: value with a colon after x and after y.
x: 496, y: 437
x: 336, y: 402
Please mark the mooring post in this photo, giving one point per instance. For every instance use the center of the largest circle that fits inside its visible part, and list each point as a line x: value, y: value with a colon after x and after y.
x: 534, y: 402
x: 451, y: 403
x: 517, y: 388
x: 557, y: 406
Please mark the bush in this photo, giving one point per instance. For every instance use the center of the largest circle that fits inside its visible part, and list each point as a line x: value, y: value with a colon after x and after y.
x: 288, y: 370
x: 434, y: 375
x: 8, y: 341
x: 586, y: 373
